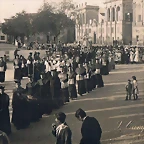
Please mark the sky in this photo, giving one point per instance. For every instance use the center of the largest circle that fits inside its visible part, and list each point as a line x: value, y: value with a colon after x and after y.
x: 9, y: 8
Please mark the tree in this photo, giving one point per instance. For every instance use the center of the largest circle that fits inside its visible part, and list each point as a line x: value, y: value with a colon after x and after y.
x: 19, y: 25
x: 50, y: 21
x: 66, y: 5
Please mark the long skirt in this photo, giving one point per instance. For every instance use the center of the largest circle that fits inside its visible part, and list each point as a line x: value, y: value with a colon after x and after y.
x: 2, y: 76
x: 24, y: 72
x: 65, y: 94
x: 45, y: 106
x: 30, y: 69
x: 93, y: 82
x: 21, y: 115
x: 5, y: 125
x: 99, y: 80
x: 104, y: 70
x: 35, y: 110
x: 88, y: 85
x: 72, y: 91
x: 17, y: 74
x: 81, y: 87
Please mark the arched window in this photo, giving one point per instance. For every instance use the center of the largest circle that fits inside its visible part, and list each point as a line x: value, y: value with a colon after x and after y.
x: 118, y: 13
x: 108, y: 14
x: 113, y: 14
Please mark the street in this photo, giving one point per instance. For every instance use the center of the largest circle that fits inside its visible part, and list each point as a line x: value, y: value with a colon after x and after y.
x: 106, y: 104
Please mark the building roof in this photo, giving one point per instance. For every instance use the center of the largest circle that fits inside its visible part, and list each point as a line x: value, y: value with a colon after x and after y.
x: 109, y: 1
x: 86, y: 6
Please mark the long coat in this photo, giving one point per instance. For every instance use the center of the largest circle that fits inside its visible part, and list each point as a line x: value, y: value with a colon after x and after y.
x: 5, y: 125
x: 91, y: 131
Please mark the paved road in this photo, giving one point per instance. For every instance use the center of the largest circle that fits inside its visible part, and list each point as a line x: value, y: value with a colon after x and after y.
x: 106, y: 104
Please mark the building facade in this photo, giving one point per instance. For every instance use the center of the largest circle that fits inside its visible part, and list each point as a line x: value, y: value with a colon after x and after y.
x: 86, y: 22
x: 118, y: 21
x: 3, y: 37
x: 138, y: 22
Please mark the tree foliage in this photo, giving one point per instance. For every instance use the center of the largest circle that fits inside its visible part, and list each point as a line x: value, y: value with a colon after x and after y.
x: 47, y: 20
x: 18, y: 25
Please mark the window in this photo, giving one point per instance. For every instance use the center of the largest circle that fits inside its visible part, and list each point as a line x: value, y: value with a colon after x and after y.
x: 117, y: 38
x: 139, y: 18
x: 99, y: 30
x: 89, y: 30
x: 2, y: 37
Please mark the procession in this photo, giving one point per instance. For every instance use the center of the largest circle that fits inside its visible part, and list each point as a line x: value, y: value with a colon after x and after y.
x: 71, y: 72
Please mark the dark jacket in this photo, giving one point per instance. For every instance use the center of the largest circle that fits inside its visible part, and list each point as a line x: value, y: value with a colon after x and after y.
x: 91, y: 131
x: 63, y: 134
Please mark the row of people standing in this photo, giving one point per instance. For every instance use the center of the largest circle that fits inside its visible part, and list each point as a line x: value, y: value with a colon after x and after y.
x: 52, y: 90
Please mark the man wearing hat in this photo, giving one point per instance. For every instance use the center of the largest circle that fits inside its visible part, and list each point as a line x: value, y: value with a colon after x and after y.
x: 5, y: 125
x: 62, y: 132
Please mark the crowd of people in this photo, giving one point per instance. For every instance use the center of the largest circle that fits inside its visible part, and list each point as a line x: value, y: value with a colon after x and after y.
x: 53, y: 82
x: 62, y: 75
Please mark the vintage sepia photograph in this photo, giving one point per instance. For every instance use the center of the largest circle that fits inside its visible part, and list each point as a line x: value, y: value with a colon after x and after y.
x: 71, y: 72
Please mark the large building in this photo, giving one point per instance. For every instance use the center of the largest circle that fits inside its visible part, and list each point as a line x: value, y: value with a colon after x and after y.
x: 138, y: 22
x: 115, y: 23
x: 3, y: 37
x: 87, y: 17
x: 118, y: 21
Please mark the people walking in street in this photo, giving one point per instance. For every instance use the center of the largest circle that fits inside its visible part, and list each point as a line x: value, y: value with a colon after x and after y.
x: 135, y: 90
x: 128, y: 90
x: 61, y: 130
x: 90, y: 130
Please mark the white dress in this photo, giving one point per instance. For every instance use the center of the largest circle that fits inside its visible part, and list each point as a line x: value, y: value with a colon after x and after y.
x: 131, y: 56
x: 136, y: 59
x: 135, y: 87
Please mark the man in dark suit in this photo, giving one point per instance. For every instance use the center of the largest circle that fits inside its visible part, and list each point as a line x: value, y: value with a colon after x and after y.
x: 62, y: 132
x: 90, y: 130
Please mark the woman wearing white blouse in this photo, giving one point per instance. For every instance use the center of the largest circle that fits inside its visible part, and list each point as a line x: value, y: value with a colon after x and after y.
x: 135, y: 90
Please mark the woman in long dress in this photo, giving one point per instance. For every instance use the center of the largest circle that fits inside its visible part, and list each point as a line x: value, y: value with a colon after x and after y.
x: 132, y: 55
x: 135, y: 90
x: 137, y: 58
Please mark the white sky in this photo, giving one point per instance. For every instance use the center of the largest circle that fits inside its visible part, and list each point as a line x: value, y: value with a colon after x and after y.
x: 9, y: 8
